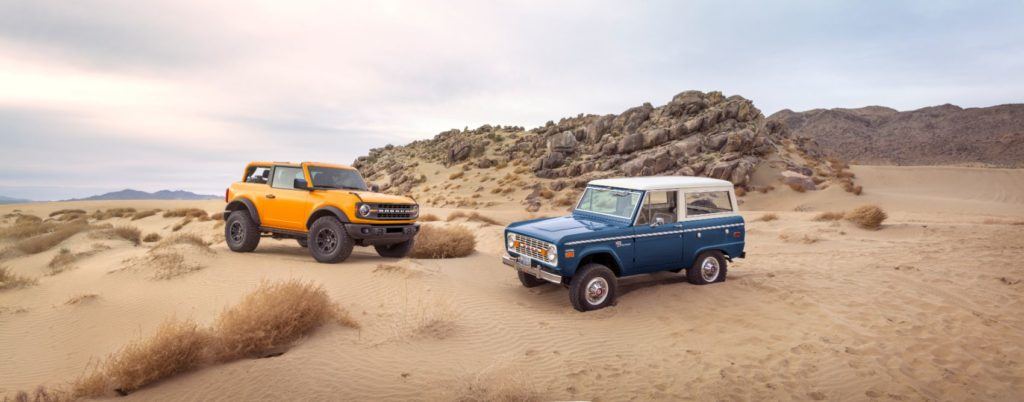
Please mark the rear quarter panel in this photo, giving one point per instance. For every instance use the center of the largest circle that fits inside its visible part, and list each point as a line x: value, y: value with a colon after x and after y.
x: 713, y: 234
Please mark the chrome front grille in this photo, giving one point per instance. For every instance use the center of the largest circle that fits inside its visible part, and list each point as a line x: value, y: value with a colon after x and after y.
x: 531, y: 247
x: 392, y: 211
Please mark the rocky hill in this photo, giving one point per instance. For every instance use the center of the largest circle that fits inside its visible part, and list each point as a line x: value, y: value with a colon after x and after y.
x: 939, y: 135
x: 696, y: 133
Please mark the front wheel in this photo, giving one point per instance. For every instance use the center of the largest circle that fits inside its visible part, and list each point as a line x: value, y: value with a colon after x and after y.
x: 328, y: 241
x: 593, y: 287
x: 241, y: 233
x: 397, y: 250
x: 709, y: 267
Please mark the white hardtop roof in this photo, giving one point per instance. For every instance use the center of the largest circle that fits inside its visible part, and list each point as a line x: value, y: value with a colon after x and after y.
x: 661, y: 182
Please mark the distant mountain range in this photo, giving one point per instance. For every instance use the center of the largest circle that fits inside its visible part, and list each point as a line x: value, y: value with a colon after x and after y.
x: 9, y: 200
x: 937, y: 135
x: 129, y: 194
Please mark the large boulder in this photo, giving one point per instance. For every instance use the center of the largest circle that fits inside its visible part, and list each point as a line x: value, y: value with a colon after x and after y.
x: 564, y: 142
x: 459, y: 152
x: 738, y: 141
x: 722, y: 169
x: 655, y: 137
x: 792, y: 178
x: 594, y: 131
x: 685, y: 148
x: 630, y: 143
x: 553, y: 160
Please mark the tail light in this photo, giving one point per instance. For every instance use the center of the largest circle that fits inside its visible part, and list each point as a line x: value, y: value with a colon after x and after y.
x: 226, y: 192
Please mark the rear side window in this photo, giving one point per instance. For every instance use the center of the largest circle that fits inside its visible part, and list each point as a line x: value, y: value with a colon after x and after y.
x: 708, y: 202
x: 258, y: 175
x: 284, y: 176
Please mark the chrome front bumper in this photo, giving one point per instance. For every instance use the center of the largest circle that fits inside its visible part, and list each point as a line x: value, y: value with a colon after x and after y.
x: 530, y: 269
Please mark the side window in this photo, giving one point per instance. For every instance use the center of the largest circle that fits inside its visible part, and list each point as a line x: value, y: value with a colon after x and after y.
x: 708, y: 202
x: 658, y: 204
x: 258, y: 175
x: 284, y: 176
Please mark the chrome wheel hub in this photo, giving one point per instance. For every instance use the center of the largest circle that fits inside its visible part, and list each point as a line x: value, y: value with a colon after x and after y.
x: 709, y: 269
x: 596, y: 291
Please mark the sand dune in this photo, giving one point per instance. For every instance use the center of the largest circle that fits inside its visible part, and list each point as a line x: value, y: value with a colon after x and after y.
x: 928, y: 308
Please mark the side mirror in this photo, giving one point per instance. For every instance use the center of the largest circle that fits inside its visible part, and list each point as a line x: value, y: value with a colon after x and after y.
x: 300, y: 184
x: 375, y: 188
x: 658, y: 222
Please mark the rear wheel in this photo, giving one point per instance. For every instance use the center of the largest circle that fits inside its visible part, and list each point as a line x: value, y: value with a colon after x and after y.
x: 593, y: 287
x: 530, y: 281
x: 328, y: 241
x: 397, y: 250
x: 304, y: 242
x: 709, y: 267
x: 241, y: 233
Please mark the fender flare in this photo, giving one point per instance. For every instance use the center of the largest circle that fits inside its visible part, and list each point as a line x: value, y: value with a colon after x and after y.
x: 237, y: 204
x: 328, y: 210
x: 603, y: 249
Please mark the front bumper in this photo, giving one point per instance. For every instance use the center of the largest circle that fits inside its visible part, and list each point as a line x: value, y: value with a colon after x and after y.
x: 531, y: 268
x: 381, y: 234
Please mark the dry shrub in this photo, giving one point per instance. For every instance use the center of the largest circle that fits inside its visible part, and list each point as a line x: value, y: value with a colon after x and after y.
x: 191, y: 239
x: 144, y: 214
x: 25, y: 227
x: 829, y: 216
x: 82, y: 298
x: 8, y: 280
x: 130, y: 233
x: 797, y: 187
x: 566, y: 200
x: 740, y: 191
x: 473, y: 216
x: 443, y: 242
x: 765, y: 189
x: 273, y: 317
x: 506, y: 386
x: 67, y: 211
x: 187, y: 213
x: 867, y: 217
x: 429, y: 218
x: 113, y: 213
x: 456, y: 175
x: 43, y: 394
x: 219, y: 215
x: 152, y: 237
x: 176, y: 347
x: 845, y: 174
x: 179, y: 225
x: 46, y: 241
x: 547, y: 194
x: 768, y: 217
x: 170, y: 265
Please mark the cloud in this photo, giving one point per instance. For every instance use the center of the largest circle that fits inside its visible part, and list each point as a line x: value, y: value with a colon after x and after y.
x: 180, y: 94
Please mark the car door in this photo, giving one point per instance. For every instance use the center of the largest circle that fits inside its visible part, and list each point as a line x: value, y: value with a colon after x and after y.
x: 286, y: 207
x: 658, y: 236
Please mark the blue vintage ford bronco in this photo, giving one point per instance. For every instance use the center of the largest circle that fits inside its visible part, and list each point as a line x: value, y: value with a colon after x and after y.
x: 629, y: 226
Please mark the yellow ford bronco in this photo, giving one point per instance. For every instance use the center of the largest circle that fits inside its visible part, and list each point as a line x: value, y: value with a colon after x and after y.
x: 327, y: 208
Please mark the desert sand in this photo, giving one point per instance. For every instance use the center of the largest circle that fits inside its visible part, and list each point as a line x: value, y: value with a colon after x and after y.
x: 927, y: 308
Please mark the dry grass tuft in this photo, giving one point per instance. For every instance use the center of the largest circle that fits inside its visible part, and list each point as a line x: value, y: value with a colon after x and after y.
x: 152, y: 237
x: 768, y: 217
x: 67, y: 211
x: 566, y: 200
x: 130, y: 233
x: 82, y: 298
x: 8, y: 280
x: 507, y: 386
x: 25, y: 226
x: 273, y: 317
x: 797, y: 187
x: 547, y: 194
x: 46, y: 241
x: 101, y: 215
x: 473, y: 216
x: 443, y: 242
x: 187, y: 213
x: 829, y: 216
x: 43, y: 394
x: 867, y: 217
x: 181, y: 224
x: 176, y: 347
x: 170, y: 265
x: 144, y: 214
x: 429, y: 218
x: 219, y: 215
x: 740, y: 191
x: 456, y: 175
x: 190, y: 239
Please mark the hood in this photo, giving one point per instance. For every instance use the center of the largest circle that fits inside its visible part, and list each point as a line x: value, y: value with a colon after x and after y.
x: 379, y: 198
x: 557, y: 229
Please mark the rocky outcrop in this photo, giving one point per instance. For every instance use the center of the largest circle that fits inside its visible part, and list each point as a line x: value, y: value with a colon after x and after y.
x: 696, y: 133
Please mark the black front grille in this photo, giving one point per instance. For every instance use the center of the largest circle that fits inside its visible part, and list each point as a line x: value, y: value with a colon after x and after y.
x: 392, y: 211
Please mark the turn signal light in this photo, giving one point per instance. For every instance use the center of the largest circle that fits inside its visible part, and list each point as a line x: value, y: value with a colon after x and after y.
x: 515, y: 244
x: 543, y: 252
x: 570, y: 253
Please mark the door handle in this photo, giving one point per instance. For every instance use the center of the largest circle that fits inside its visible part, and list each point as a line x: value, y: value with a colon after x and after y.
x: 271, y: 196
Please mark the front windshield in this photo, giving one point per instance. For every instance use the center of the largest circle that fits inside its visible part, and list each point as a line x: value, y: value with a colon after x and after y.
x: 609, y: 201
x: 325, y: 177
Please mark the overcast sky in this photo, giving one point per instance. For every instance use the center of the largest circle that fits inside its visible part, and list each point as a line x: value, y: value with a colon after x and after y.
x: 104, y: 95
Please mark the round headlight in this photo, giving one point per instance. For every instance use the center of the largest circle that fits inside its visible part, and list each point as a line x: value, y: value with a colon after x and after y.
x: 364, y: 210
x: 552, y: 253
x: 511, y: 240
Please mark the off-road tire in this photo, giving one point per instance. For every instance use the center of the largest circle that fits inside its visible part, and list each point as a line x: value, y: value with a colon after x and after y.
x: 303, y: 242
x: 694, y: 274
x: 529, y: 281
x: 584, y: 279
x: 328, y: 240
x: 241, y: 233
x: 397, y: 250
